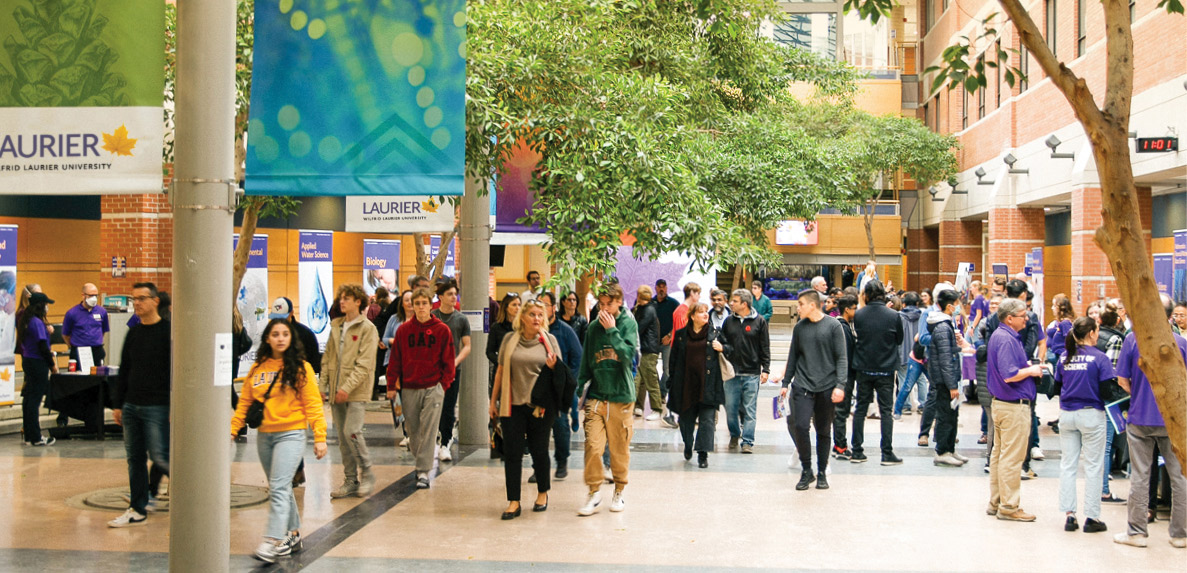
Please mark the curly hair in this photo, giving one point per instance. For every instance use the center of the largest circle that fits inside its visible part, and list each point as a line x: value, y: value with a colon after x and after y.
x: 292, y: 372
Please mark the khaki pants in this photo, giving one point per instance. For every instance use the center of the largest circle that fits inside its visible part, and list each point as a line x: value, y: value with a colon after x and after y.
x: 607, y: 422
x: 422, y: 416
x: 648, y: 383
x: 348, y: 419
x: 1011, y: 436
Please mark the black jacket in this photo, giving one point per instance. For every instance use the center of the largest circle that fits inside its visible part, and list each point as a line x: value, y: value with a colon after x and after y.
x: 309, y: 344
x: 879, y: 334
x: 943, y: 365
x: 714, y: 394
x: 648, y: 321
x: 850, y: 345
x: 750, y: 344
x: 555, y: 387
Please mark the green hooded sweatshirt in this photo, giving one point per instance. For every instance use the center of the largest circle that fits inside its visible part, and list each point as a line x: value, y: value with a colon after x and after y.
x: 608, y: 359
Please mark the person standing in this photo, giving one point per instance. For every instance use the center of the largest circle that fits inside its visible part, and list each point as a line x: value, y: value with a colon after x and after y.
x: 347, y: 368
x: 287, y: 386
x: 697, y: 389
x: 910, y: 368
x: 979, y: 308
x: 1110, y: 340
x: 141, y: 400
x: 86, y: 326
x: 720, y: 310
x: 38, y: 363
x: 750, y: 353
x: 1081, y: 372
x: 570, y: 354
x: 1012, y: 383
x: 606, y: 363
x: 818, y: 366
x: 762, y: 303
x: 422, y: 369
x: 943, y: 367
x: 665, y: 308
x: 847, y: 305
x: 459, y: 328
x: 570, y: 316
x: 534, y: 288
x: 879, y: 338
x: 650, y: 346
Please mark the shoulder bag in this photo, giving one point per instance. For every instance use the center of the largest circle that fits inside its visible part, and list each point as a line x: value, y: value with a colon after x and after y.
x: 255, y: 412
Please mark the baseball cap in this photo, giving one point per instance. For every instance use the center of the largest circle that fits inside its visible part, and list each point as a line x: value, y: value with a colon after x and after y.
x: 40, y: 297
x: 281, y: 308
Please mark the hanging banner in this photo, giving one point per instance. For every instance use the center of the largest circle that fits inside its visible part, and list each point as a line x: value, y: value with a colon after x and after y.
x: 358, y: 98
x: 8, y: 302
x: 1164, y: 272
x: 81, y: 96
x: 1036, y: 284
x: 253, y: 298
x: 315, y: 281
x: 381, y: 265
x: 450, y: 269
x: 1180, y: 265
x: 398, y: 214
x: 515, y: 197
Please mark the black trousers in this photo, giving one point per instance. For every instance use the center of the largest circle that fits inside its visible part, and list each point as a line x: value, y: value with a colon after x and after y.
x: 867, y: 387
x: 812, y: 408
x: 519, y: 429
x: 929, y: 410
x: 841, y: 419
x: 449, y: 410
x: 701, y: 420
x: 34, y: 391
x: 946, y: 417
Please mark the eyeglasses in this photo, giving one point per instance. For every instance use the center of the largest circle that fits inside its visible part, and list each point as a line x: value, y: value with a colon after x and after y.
x: 1022, y: 315
x: 142, y: 298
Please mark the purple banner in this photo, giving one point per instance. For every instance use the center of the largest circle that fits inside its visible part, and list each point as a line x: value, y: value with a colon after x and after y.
x: 258, y: 257
x: 8, y: 234
x: 1180, y: 265
x: 315, y: 247
x: 381, y: 254
x: 450, y: 257
x: 1036, y: 264
x: 515, y: 197
x: 1164, y: 272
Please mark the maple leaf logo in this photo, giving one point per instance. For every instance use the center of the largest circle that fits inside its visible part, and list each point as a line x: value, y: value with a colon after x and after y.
x: 430, y: 205
x: 6, y: 375
x: 118, y: 143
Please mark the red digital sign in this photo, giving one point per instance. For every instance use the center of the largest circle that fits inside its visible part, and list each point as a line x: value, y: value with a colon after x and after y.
x: 1157, y: 144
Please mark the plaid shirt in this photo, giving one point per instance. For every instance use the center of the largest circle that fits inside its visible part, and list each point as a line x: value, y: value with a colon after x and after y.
x: 1113, y: 349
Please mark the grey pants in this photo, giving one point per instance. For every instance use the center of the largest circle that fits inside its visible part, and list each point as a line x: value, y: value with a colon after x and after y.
x: 1141, y: 457
x: 422, y: 415
x: 985, y: 399
x: 348, y: 419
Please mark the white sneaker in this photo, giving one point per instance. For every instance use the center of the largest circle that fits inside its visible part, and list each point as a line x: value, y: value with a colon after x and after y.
x: 128, y: 519
x: 1036, y: 453
x: 404, y: 442
x: 617, y: 503
x: 653, y: 416
x: 960, y: 457
x: 609, y: 475
x: 592, y: 501
x: 1179, y: 542
x: 947, y: 460
x: 266, y: 552
x: 638, y: 412
x: 1131, y: 540
x: 290, y: 544
x: 443, y: 454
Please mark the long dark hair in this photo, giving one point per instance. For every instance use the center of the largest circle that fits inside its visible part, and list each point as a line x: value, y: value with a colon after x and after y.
x: 292, y: 372
x: 35, y: 309
x: 1082, y: 327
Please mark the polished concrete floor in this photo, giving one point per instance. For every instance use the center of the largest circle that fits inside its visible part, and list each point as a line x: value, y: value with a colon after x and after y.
x: 740, y: 513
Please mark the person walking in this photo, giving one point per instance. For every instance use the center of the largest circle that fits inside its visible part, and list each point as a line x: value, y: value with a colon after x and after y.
x: 523, y: 355
x: 750, y: 353
x: 38, y: 363
x: 570, y: 316
x: 816, y: 375
x: 347, y: 368
x: 944, y: 369
x: 697, y: 389
x: 570, y: 354
x: 611, y: 344
x: 846, y: 306
x: 285, y: 383
x: 1080, y: 373
x: 911, y: 368
x: 459, y: 328
x: 422, y: 368
x: 879, y: 338
x: 647, y: 386
x: 762, y: 303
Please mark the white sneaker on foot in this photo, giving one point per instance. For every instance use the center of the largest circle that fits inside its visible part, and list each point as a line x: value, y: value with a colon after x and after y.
x: 404, y: 442
x: 609, y: 475
x: 653, y: 416
x: 947, y: 460
x: 290, y: 544
x: 128, y: 519
x: 638, y: 412
x: 617, y: 503
x: 1179, y: 542
x: 1131, y: 540
x: 960, y: 457
x: 266, y: 552
x: 347, y: 489
x: 592, y: 501
x: 1036, y: 453
x: 443, y: 454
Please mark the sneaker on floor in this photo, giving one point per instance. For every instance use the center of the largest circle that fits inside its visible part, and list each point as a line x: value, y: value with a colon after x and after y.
x: 289, y: 545
x: 858, y: 458
x: 747, y: 449
x: 702, y: 459
x: 608, y: 475
x: 348, y: 488
x: 128, y: 519
x: 1036, y: 453
x: 891, y: 460
x: 947, y: 460
x: 1178, y: 542
x: 1016, y: 515
x: 806, y: 479
x: 907, y: 411
x: 562, y: 472
x: 960, y: 457
x: 422, y: 482
x: 266, y: 552
x: 151, y: 506
x: 43, y: 442
x: 444, y: 454
x: 1130, y: 540
x: 842, y: 453
x: 734, y: 442
x: 670, y: 421
x: 653, y: 416
x: 1112, y: 498
x: 366, y: 483
x: 898, y: 416
x: 638, y: 412
x: 592, y: 502
x: 986, y: 468
x: 1029, y: 475
x: 922, y: 442
x: 1094, y: 526
x: 983, y: 439
x: 404, y: 442
x: 821, y: 481
x: 991, y: 510
x: 617, y: 503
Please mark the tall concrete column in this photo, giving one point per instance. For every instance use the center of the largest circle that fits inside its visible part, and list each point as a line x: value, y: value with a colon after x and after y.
x: 1091, y: 273
x: 204, y: 178
x: 474, y: 238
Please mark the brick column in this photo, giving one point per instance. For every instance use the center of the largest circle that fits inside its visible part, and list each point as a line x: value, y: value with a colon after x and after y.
x: 140, y: 228
x: 960, y: 242
x: 1090, y: 266
x: 922, y: 257
x: 1013, y: 232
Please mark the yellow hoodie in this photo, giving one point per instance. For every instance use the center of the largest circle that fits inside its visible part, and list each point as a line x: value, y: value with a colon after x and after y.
x: 286, y: 409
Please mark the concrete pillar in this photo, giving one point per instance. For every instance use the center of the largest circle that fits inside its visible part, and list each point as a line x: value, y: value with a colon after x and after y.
x: 474, y: 240
x: 960, y: 242
x: 138, y: 228
x: 1013, y: 232
x: 1092, y: 278
x: 923, y: 258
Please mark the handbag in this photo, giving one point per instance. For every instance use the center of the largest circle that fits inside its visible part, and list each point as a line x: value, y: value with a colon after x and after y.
x: 255, y: 412
x: 727, y: 369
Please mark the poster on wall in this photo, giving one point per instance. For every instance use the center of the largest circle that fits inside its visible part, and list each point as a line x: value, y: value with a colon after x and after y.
x: 395, y: 214
x: 1180, y: 265
x: 82, y: 88
x: 252, y: 299
x: 450, y: 269
x: 315, y: 281
x: 1036, y: 283
x: 1164, y: 272
x: 678, y: 270
x: 8, y: 302
x: 381, y: 265
x: 797, y: 233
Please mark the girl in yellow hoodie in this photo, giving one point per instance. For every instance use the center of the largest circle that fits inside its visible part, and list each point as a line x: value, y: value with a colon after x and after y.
x: 286, y: 384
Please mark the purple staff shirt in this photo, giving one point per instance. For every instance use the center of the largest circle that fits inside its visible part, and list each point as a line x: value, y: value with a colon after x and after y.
x: 1081, y: 377
x: 1006, y: 357
x: 34, y: 334
x: 85, y: 327
x: 1143, y: 410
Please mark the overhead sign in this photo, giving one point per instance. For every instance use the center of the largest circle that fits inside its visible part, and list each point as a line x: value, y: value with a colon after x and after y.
x: 797, y: 233
x: 398, y: 214
x: 81, y: 96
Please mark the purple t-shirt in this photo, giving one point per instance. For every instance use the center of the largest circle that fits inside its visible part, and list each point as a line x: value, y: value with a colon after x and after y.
x: 85, y: 327
x: 1006, y: 357
x: 34, y: 334
x: 1143, y: 410
x: 979, y: 304
x: 1057, y: 334
x: 1081, y: 377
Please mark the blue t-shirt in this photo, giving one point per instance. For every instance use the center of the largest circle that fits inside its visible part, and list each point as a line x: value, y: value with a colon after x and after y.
x: 1143, y: 410
x: 34, y: 334
x: 1081, y: 377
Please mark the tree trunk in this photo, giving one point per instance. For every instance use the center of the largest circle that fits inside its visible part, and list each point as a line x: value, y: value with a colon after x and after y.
x: 869, y: 221
x: 437, y: 266
x: 739, y: 276
x: 251, y: 216
x: 422, y: 264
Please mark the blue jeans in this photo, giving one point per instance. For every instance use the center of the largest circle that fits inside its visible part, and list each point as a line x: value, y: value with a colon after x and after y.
x: 741, y: 391
x: 146, y: 436
x: 908, y: 378
x: 1108, y: 461
x: 280, y: 454
x: 562, y: 434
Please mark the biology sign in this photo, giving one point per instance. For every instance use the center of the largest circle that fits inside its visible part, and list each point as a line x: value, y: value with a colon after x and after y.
x: 81, y: 95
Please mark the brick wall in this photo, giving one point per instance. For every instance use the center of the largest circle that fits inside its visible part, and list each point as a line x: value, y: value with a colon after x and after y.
x: 1090, y: 267
x: 960, y: 242
x: 139, y: 228
x: 922, y: 257
x: 1013, y: 232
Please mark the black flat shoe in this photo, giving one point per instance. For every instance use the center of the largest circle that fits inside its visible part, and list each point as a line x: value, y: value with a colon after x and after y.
x: 687, y: 453
x: 1094, y: 526
x: 540, y: 507
x: 702, y: 459
x: 1071, y: 524
x: 512, y: 514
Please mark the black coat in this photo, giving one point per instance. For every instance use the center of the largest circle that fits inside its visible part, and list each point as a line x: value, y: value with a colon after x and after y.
x: 648, y: 320
x: 554, y: 388
x: 714, y: 394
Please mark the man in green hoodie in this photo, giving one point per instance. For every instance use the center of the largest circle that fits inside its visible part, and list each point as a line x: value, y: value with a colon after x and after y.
x: 611, y: 346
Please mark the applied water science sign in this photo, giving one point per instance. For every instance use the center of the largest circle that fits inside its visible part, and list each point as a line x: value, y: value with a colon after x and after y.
x: 81, y: 96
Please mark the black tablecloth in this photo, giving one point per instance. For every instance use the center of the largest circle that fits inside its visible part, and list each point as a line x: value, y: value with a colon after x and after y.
x: 82, y: 397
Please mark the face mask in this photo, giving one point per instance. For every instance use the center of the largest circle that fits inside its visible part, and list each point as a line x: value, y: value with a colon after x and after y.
x: 92, y: 300
x: 960, y: 309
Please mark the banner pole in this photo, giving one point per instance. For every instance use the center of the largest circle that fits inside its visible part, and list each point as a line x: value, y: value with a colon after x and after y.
x: 203, y: 210
x: 474, y: 239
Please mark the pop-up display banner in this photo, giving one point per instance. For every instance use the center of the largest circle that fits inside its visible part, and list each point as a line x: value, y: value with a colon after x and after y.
x: 315, y: 279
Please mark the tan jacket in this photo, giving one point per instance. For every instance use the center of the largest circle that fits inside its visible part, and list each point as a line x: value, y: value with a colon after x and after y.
x: 353, y: 369
x: 506, y: 349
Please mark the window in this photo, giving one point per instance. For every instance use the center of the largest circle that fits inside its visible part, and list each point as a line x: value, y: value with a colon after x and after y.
x: 815, y: 32
x: 1081, y: 28
x: 927, y: 116
x: 945, y: 6
x: 981, y: 91
x: 929, y: 19
x: 997, y: 70
x: 1051, y: 18
x: 964, y: 108
x: 1024, y: 67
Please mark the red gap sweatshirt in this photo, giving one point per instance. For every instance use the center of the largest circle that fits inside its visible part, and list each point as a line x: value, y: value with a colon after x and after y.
x: 422, y: 355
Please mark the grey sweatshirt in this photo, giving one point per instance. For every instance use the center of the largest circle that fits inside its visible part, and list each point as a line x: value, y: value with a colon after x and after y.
x: 817, y: 360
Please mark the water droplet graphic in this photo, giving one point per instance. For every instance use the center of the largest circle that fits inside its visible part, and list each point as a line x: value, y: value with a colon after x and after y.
x: 318, y: 314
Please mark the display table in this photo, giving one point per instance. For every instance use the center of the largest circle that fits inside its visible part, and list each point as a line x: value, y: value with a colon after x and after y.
x: 82, y: 397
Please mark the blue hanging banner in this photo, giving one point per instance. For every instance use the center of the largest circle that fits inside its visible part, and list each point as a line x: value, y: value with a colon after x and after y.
x: 358, y: 98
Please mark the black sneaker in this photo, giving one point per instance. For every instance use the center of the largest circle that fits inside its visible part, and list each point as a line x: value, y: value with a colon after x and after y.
x: 1071, y: 524
x: 806, y: 479
x: 562, y: 471
x: 1093, y: 526
x: 821, y: 481
x: 858, y: 458
x: 687, y: 451
x: 1112, y: 498
x: 891, y: 460
x: 702, y: 459
x: 842, y: 453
